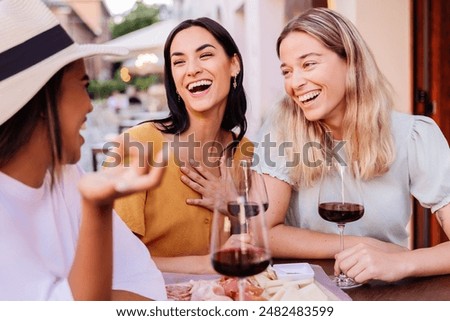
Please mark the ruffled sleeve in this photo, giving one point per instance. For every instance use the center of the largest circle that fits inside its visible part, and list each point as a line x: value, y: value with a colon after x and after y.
x: 270, y: 155
x: 429, y: 164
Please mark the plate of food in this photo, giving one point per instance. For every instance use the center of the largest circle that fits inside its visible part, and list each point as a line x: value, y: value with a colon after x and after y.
x: 266, y: 286
x: 221, y: 289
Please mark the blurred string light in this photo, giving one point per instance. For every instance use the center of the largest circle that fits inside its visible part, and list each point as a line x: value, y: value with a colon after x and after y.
x: 125, y: 74
x: 143, y: 59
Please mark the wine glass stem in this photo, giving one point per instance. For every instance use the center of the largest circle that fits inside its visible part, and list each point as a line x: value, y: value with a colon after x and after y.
x: 342, y: 277
x: 241, y: 289
x: 341, y: 235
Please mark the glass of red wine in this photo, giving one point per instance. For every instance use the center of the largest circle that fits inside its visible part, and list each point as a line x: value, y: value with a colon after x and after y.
x: 340, y: 202
x: 239, y: 240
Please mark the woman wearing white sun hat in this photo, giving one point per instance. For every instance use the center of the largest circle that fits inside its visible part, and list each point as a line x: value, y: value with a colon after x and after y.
x: 56, y: 239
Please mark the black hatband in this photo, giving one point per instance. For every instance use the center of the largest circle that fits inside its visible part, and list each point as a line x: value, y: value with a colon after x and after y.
x: 33, y: 51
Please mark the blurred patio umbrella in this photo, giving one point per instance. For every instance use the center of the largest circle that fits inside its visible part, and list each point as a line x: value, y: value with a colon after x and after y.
x: 146, y: 41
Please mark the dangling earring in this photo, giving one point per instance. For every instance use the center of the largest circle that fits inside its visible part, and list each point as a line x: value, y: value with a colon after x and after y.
x: 235, y: 82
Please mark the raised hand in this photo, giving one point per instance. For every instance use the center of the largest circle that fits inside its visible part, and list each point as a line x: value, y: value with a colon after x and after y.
x: 128, y: 177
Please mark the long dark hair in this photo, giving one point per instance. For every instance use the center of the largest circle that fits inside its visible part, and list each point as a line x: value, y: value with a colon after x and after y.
x: 234, y: 116
x: 43, y: 107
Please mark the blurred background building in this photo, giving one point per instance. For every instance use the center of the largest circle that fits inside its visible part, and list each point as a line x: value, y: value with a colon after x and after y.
x: 86, y: 22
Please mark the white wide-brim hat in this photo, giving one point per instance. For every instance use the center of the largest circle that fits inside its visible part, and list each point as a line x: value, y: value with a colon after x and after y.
x: 33, y: 47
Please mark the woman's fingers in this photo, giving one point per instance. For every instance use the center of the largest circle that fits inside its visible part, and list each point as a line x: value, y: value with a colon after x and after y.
x: 194, y: 175
x: 202, y: 171
x: 344, y: 260
x: 236, y: 240
x: 140, y: 177
x: 135, y: 182
x: 135, y: 174
x: 193, y: 184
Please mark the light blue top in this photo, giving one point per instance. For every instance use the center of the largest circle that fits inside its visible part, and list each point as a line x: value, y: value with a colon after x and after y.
x: 421, y: 169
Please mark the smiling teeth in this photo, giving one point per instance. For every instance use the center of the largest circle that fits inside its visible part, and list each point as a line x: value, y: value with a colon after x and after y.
x: 309, y: 96
x: 199, y: 83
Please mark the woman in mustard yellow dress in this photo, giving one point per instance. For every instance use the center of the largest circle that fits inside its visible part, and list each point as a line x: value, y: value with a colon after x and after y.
x: 206, y: 98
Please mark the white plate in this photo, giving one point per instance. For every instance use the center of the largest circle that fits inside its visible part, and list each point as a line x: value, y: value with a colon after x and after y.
x: 294, y: 271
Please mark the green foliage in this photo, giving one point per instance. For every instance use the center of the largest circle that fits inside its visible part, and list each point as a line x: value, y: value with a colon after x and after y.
x: 142, y: 83
x: 101, y: 89
x: 142, y: 16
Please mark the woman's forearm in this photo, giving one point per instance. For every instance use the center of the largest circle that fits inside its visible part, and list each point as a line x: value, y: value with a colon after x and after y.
x: 428, y: 261
x: 91, y: 275
x: 293, y: 242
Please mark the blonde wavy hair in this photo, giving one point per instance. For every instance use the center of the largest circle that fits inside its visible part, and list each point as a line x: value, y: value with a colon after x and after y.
x: 368, y: 97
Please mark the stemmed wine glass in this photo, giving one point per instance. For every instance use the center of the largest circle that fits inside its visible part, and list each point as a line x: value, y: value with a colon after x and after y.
x: 340, y: 201
x: 239, y: 241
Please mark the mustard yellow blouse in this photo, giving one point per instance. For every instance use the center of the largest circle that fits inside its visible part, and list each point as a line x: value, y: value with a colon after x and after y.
x: 161, y: 218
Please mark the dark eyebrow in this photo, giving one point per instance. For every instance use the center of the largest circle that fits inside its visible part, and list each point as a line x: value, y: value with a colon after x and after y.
x: 303, y: 57
x: 206, y: 45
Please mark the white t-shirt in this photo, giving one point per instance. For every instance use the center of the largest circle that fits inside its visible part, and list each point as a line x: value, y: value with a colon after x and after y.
x: 38, y: 237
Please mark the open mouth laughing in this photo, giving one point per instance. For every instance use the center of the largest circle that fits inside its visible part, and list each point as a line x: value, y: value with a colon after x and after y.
x: 199, y: 86
x: 308, y: 97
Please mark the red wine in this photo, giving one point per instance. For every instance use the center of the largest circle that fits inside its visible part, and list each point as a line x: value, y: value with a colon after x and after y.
x: 341, y: 212
x: 250, y: 208
x: 239, y: 263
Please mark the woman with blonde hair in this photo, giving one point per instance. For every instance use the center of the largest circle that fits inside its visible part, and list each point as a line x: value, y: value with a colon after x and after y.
x: 339, y: 107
